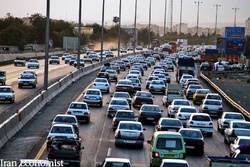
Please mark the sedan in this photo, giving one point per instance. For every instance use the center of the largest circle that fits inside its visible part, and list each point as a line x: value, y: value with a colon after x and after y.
x: 191, y: 90
x: 237, y: 142
x: 150, y: 79
x: 193, y: 139
x: 123, y: 115
x: 168, y: 124
x: 157, y: 86
x: 102, y: 84
x: 93, y: 96
x: 136, y: 83
x: 124, y: 85
x: 33, y: 63
x: 129, y: 133
x: 112, y: 75
x: 115, y: 162
x: 80, y: 110
x: 184, y: 112
x: 117, y: 104
x: 174, y: 106
x: 142, y: 97
x: 235, y: 129
x: 81, y: 63
x: 123, y: 95
x: 212, y: 107
x: 174, y: 163
x: 226, y: 118
x: 149, y: 113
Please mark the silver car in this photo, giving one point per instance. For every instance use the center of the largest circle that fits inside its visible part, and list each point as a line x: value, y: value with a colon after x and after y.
x: 80, y: 110
x: 117, y: 104
x: 93, y: 96
x: 112, y: 75
x: 102, y: 84
x: 149, y: 80
x: 212, y: 107
x: 33, y: 63
x: 157, y: 86
x: 191, y: 90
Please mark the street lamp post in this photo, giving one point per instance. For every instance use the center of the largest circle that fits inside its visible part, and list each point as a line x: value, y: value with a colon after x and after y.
x: 135, y: 27
x: 119, y: 31
x: 46, y: 65
x: 103, y: 5
x: 180, y: 17
x: 149, y: 24
x: 198, y: 2
x: 216, y: 17
x: 79, y: 34
x: 235, y: 10
x: 165, y: 17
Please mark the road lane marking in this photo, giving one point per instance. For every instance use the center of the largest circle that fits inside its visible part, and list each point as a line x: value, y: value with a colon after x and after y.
x: 109, y: 152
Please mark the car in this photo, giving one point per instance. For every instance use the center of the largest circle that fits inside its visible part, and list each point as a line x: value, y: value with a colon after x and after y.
x: 64, y: 55
x: 72, y: 60
x: 117, y: 104
x: 61, y: 130
x: 123, y: 95
x: 170, y: 65
x: 94, y: 57
x: 67, y: 119
x: 102, y: 84
x: 93, y: 97
x: 184, y: 77
x: 149, y: 80
x: 234, y: 146
x: 112, y: 75
x: 220, y: 68
x: 7, y: 94
x: 157, y: 86
x: 174, y: 163
x: 20, y: 61
x: 236, y: 128
x: 115, y: 66
x: 3, y: 77
x: 184, y: 112
x: 174, y: 106
x: 33, y: 63
x: 124, y: 85
x: 185, y: 85
x: 81, y: 63
x: 199, y: 95
x: 129, y: 133
x: 194, y: 140
x: 129, y: 76
x: 197, y: 60
x: 149, y: 113
x: 238, y: 154
x: 144, y: 64
x: 67, y: 59
x: 136, y: 72
x: 139, y: 47
x: 27, y: 80
x: 163, y: 78
x: 168, y: 124
x: 130, y: 48
x: 201, y: 121
x: 122, y: 65
x: 123, y: 50
x: 80, y: 110
x: 103, y: 75
x: 191, y: 90
x: 136, y: 84
x: 190, y: 83
x: 123, y: 115
x: 214, y: 96
x: 88, y: 60
x: 35, y: 163
x: 142, y: 97
x: 111, y: 162
x: 54, y: 60
x: 212, y: 107
x: 225, y: 119
x: 205, y: 66
x: 109, y: 53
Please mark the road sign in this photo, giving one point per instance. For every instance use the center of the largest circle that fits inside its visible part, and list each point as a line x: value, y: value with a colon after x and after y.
x: 221, y: 43
x: 235, y: 46
x: 234, y: 32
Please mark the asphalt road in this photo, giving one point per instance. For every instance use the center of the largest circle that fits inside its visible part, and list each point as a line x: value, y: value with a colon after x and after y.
x: 98, y: 136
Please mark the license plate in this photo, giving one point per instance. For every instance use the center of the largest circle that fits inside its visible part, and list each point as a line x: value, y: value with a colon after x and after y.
x: 190, y: 147
x: 25, y: 83
x: 77, y: 112
x: 129, y: 141
x: 169, y: 156
x: 2, y: 98
x: 150, y: 118
x: 124, y: 88
x: 213, y: 111
x: 201, y: 124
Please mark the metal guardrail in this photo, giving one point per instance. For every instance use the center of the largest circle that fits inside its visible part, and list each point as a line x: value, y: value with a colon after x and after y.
x: 224, y: 95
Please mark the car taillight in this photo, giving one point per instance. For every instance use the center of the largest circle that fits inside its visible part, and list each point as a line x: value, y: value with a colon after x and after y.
x: 233, y: 133
x: 199, y: 143
x: 118, y: 134
x: 156, y: 154
x: 69, y: 112
x: 141, y: 135
x: 116, y: 122
x: 211, y: 123
x: 86, y: 113
x: 94, y: 84
x: 106, y: 85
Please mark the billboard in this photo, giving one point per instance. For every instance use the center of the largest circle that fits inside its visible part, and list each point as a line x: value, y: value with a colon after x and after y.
x: 221, y: 43
x: 234, y: 32
x: 235, y: 46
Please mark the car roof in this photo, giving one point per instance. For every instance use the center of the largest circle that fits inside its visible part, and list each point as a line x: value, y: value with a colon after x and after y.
x: 77, y: 102
x: 175, y: 161
x: 243, y: 137
x: 133, y: 122
x: 64, y: 125
x: 205, y: 114
x: 130, y: 111
x: 166, y: 133
x: 117, y: 160
x: 65, y: 115
x: 193, y: 129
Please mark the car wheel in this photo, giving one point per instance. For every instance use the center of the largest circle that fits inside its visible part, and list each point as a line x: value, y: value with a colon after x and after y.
x: 116, y: 145
x: 34, y: 86
x: 19, y: 86
x: 100, y: 104
x: 163, y: 92
x: 28, y: 67
x: 88, y: 120
x: 140, y: 146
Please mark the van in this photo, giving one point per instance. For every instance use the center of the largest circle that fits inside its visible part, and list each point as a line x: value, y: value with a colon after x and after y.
x: 166, y: 145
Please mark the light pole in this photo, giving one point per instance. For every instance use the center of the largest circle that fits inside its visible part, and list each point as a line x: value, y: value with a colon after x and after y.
x: 198, y: 2
x: 216, y: 16
x: 103, y: 5
x: 135, y: 27
x: 235, y: 10
x: 180, y: 17
x: 119, y: 31
x: 149, y: 24
x: 79, y: 35
x: 165, y: 17
x: 46, y: 65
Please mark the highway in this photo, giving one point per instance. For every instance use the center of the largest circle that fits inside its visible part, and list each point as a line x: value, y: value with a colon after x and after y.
x: 98, y: 136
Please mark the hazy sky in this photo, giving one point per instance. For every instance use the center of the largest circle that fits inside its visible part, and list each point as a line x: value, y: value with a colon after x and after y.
x: 92, y: 10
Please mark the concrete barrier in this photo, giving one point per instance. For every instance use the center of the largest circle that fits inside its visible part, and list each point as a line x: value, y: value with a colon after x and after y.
x: 3, y: 137
x: 11, y: 127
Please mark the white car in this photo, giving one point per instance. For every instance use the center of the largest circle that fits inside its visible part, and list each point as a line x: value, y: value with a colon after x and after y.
x: 157, y: 86
x: 93, y: 96
x: 214, y: 96
x: 102, y: 84
x: 33, y: 63
x: 117, y: 104
x: 201, y: 121
x: 80, y: 110
x: 184, y: 78
x: 174, y: 106
x: 174, y: 163
x: 149, y: 80
x: 237, y: 142
x: 27, y: 80
x: 212, y: 107
x: 136, y: 72
x: 7, y: 94
x: 115, y: 162
x: 220, y: 68
x: 184, y: 112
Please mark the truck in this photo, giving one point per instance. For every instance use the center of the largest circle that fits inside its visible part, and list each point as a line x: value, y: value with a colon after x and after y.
x: 185, y: 66
x: 213, y: 161
x: 210, y: 55
x: 173, y: 91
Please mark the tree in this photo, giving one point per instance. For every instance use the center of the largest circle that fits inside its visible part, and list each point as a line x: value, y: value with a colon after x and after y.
x: 38, y: 24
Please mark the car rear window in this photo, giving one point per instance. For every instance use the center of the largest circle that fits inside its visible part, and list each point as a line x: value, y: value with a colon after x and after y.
x: 191, y: 134
x: 241, y: 125
x: 78, y: 106
x: 93, y: 92
x: 200, y: 118
x: 65, y: 119
x: 188, y: 110
x: 171, y: 122
x: 118, y: 102
x: 125, y: 114
x: 212, y: 102
x: 233, y: 116
x: 172, y: 164
x: 169, y: 143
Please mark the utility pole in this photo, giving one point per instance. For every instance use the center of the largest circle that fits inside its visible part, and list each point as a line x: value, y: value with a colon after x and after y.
x: 165, y: 17
x: 216, y: 16
x: 79, y: 35
x: 135, y: 27
x: 235, y: 10
x: 149, y: 23
x: 198, y: 12
x: 46, y: 65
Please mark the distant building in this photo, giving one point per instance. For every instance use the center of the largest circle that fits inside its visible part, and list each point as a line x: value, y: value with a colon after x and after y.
x: 248, y: 26
x: 85, y: 30
x: 184, y: 28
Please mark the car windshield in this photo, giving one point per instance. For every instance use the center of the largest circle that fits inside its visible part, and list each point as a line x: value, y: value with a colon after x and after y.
x: 122, y: 95
x: 135, y: 80
x: 93, y: 92
x: 157, y: 83
x: 241, y: 125
x: 125, y: 114
x: 65, y: 119
x: 234, y: 116
x: 244, y: 141
x: 54, y: 57
x: 60, y: 129
x: 215, y: 97
x: 130, y: 126
x: 27, y: 77
x: 5, y: 90
x: 203, y: 91
x: 119, y: 102
x: 191, y: 134
x: 33, y: 61
x: 200, y: 118
x: 195, y: 87
x: 169, y: 143
x: 144, y: 94
x: 78, y: 106
x: 169, y: 122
